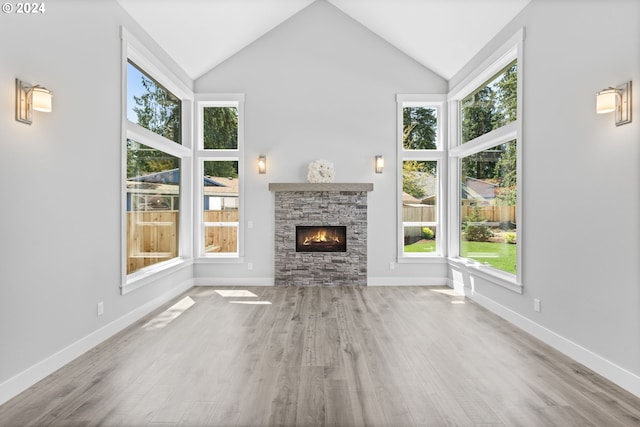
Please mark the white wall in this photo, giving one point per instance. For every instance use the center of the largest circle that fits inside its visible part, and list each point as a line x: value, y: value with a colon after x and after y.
x: 320, y: 86
x: 581, y: 172
x: 60, y: 216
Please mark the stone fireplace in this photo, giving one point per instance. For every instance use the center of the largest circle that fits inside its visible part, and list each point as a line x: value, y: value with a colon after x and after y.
x: 320, y: 234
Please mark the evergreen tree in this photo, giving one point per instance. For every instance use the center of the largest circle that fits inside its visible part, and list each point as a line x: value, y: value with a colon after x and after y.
x: 419, y: 127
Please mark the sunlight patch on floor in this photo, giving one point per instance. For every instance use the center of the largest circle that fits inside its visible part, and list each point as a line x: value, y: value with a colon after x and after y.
x: 170, y: 314
x: 451, y: 293
x: 235, y: 293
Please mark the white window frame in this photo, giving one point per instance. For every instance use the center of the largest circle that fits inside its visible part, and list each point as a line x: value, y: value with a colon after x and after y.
x: 502, y: 57
x: 437, y: 101
x: 133, y: 50
x: 202, y: 155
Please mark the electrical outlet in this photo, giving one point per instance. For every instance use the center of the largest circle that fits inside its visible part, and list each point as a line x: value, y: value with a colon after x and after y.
x: 392, y: 265
x: 536, y: 305
x: 249, y: 266
x: 100, y: 308
x: 249, y: 224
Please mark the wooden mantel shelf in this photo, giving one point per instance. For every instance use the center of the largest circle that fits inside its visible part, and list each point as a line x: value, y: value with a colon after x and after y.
x: 324, y: 186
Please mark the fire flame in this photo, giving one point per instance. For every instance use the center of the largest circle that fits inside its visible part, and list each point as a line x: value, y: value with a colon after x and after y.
x: 320, y: 237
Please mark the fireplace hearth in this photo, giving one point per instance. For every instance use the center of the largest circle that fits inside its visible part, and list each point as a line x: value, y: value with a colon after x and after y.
x: 326, y: 238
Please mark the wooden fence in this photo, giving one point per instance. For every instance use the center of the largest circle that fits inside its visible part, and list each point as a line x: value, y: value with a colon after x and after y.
x: 491, y: 213
x: 222, y: 237
x: 427, y: 213
x: 152, y: 236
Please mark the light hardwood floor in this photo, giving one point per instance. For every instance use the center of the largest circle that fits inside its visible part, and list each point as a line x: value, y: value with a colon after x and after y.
x: 378, y: 356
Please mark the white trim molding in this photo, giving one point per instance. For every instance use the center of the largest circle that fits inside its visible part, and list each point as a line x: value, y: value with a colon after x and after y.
x: 19, y: 383
x: 617, y: 374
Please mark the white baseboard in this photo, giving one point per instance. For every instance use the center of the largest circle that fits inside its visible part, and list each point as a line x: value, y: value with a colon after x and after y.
x: 233, y: 281
x: 407, y: 281
x: 22, y: 381
x: 617, y: 374
x: 371, y: 281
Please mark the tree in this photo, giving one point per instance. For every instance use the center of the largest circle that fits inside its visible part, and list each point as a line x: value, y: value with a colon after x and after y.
x: 221, y: 168
x: 220, y: 128
x: 159, y: 110
x: 506, y: 173
x: 415, y: 177
x: 143, y: 160
x: 419, y: 127
x: 505, y: 169
x: 490, y: 107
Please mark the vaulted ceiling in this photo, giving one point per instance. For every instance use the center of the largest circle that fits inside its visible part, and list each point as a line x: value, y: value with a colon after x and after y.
x: 442, y: 35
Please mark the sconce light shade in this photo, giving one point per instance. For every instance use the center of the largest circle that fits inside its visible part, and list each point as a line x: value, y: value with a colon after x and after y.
x: 29, y: 98
x: 379, y: 165
x: 41, y: 99
x: 606, y: 101
x: 262, y: 164
x: 616, y: 100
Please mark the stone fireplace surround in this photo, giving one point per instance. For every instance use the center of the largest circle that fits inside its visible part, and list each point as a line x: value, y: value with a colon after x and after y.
x: 320, y: 204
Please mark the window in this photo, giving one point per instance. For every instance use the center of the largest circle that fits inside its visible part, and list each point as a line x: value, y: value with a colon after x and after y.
x: 221, y: 206
x: 152, y: 106
x: 156, y: 165
x: 153, y: 194
x: 491, y: 106
x: 485, y: 166
x: 420, y: 156
x: 220, y: 157
x: 488, y: 187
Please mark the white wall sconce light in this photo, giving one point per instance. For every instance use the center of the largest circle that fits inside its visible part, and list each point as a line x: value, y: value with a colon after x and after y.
x: 29, y: 98
x: 262, y: 164
x: 615, y: 99
x: 379, y: 164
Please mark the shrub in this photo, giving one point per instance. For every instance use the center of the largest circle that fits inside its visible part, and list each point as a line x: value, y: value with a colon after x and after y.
x: 474, y: 230
x: 428, y: 233
x: 510, y: 238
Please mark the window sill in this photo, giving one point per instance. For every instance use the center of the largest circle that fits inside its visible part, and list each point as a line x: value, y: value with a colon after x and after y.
x: 220, y: 259
x: 150, y: 274
x: 490, y: 274
x: 424, y: 259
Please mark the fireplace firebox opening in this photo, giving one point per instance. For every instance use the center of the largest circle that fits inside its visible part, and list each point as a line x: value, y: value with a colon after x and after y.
x: 323, y: 238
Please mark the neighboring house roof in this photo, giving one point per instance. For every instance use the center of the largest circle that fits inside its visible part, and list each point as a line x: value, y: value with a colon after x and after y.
x: 430, y: 188
x: 478, y: 189
x: 166, y: 182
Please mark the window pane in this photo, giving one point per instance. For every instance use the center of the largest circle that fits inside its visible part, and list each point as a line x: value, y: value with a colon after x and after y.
x: 420, y: 239
x: 491, y: 106
x: 152, y: 106
x: 153, y: 194
x: 488, y: 207
x: 221, y: 206
x: 220, y: 128
x: 419, y: 205
x: 419, y: 128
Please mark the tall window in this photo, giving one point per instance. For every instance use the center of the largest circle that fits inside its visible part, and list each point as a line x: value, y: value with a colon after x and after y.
x: 420, y: 156
x: 219, y: 154
x: 153, y: 132
x: 486, y: 159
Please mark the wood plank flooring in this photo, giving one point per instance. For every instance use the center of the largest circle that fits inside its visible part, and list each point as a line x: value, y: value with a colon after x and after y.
x: 378, y: 356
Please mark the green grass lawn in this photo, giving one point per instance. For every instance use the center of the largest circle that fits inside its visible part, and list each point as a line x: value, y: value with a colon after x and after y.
x: 499, y: 255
